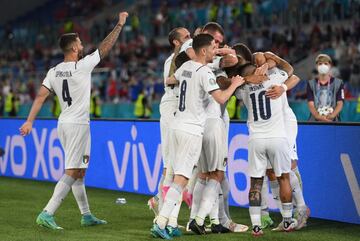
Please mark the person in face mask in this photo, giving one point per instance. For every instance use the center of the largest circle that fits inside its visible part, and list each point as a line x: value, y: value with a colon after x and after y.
x: 325, y: 93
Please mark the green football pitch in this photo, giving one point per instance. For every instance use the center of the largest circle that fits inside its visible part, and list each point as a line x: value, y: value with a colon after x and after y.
x: 22, y: 200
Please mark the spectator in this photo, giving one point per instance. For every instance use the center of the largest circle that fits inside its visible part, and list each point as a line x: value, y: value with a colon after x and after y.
x: 325, y: 93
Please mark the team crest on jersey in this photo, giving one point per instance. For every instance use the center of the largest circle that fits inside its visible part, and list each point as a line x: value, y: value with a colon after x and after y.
x: 225, y: 162
x: 86, y: 159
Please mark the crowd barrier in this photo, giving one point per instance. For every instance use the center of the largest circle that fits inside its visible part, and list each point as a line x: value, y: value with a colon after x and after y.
x: 126, y: 156
x: 126, y: 110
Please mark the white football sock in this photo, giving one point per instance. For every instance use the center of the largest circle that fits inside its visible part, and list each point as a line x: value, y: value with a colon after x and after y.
x: 175, y: 214
x: 78, y: 189
x: 297, y: 192
x: 208, y: 200
x: 171, y: 201
x: 197, y: 195
x: 225, y: 187
x: 61, y: 190
x: 255, y: 215
x: 275, y: 190
x: 224, y: 219
x: 214, y: 213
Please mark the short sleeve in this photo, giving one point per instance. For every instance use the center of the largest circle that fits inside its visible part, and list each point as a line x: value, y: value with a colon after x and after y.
x: 208, y: 81
x: 90, y: 61
x: 47, y: 81
x: 239, y: 93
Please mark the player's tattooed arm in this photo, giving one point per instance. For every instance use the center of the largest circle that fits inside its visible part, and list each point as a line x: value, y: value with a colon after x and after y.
x: 255, y: 191
x: 109, y: 41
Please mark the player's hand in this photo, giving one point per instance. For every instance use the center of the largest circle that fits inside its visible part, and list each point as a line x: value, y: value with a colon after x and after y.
x: 259, y: 58
x: 256, y: 79
x: 262, y: 70
x: 237, y: 80
x: 122, y: 18
x: 225, y: 51
x: 274, y: 92
x: 26, y: 128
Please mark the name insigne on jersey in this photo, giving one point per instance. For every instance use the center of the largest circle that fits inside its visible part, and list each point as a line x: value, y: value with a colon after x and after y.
x: 63, y: 74
x: 186, y: 74
x: 256, y: 87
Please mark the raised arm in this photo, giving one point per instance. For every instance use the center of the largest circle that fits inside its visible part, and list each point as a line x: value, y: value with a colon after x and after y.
x: 281, y: 63
x: 38, y: 102
x: 109, y: 41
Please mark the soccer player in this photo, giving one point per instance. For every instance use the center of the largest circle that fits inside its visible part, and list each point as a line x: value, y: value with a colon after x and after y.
x: 267, y: 143
x: 211, y: 189
x: 196, y: 82
x: 71, y: 82
x: 279, y: 91
x: 168, y: 106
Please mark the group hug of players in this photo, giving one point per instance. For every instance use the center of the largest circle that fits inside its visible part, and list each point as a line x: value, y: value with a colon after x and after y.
x: 200, y: 76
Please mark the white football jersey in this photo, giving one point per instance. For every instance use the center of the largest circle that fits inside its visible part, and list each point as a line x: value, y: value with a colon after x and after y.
x: 213, y: 108
x: 71, y: 82
x: 288, y: 112
x: 265, y: 116
x: 196, y: 81
x: 171, y: 92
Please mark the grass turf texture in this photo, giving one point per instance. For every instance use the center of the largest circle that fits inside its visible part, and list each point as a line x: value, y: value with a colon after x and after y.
x: 22, y: 200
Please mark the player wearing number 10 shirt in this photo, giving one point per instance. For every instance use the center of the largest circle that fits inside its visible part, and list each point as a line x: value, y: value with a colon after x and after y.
x: 71, y: 82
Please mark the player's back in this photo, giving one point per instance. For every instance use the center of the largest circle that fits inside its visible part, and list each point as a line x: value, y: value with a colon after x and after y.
x: 265, y: 115
x: 195, y: 83
x: 71, y: 82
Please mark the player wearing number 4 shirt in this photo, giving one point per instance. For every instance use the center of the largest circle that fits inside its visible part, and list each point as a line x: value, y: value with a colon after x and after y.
x: 71, y: 82
x: 196, y: 82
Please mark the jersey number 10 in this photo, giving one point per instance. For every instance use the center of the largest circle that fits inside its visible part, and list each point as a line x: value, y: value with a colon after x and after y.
x: 259, y: 103
x: 66, y: 93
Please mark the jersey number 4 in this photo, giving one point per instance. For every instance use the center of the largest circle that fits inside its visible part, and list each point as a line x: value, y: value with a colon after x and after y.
x: 263, y: 104
x: 66, y: 93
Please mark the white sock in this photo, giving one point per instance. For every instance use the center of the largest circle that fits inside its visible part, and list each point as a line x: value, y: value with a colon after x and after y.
x: 298, y: 175
x: 159, y: 194
x: 208, y: 200
x: 224, y: 219
x: 78, y: 189
x: 287, y: 211
x: 197, y: 195
x: 264, y: 195
x: 225, y: 187
x: 61, y: 190
x: 214, y: 213
x: 297, y: 192
x: 171, y: 201
x: 275, y: 190
x: 175, y: 214
x: 255, y: 215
